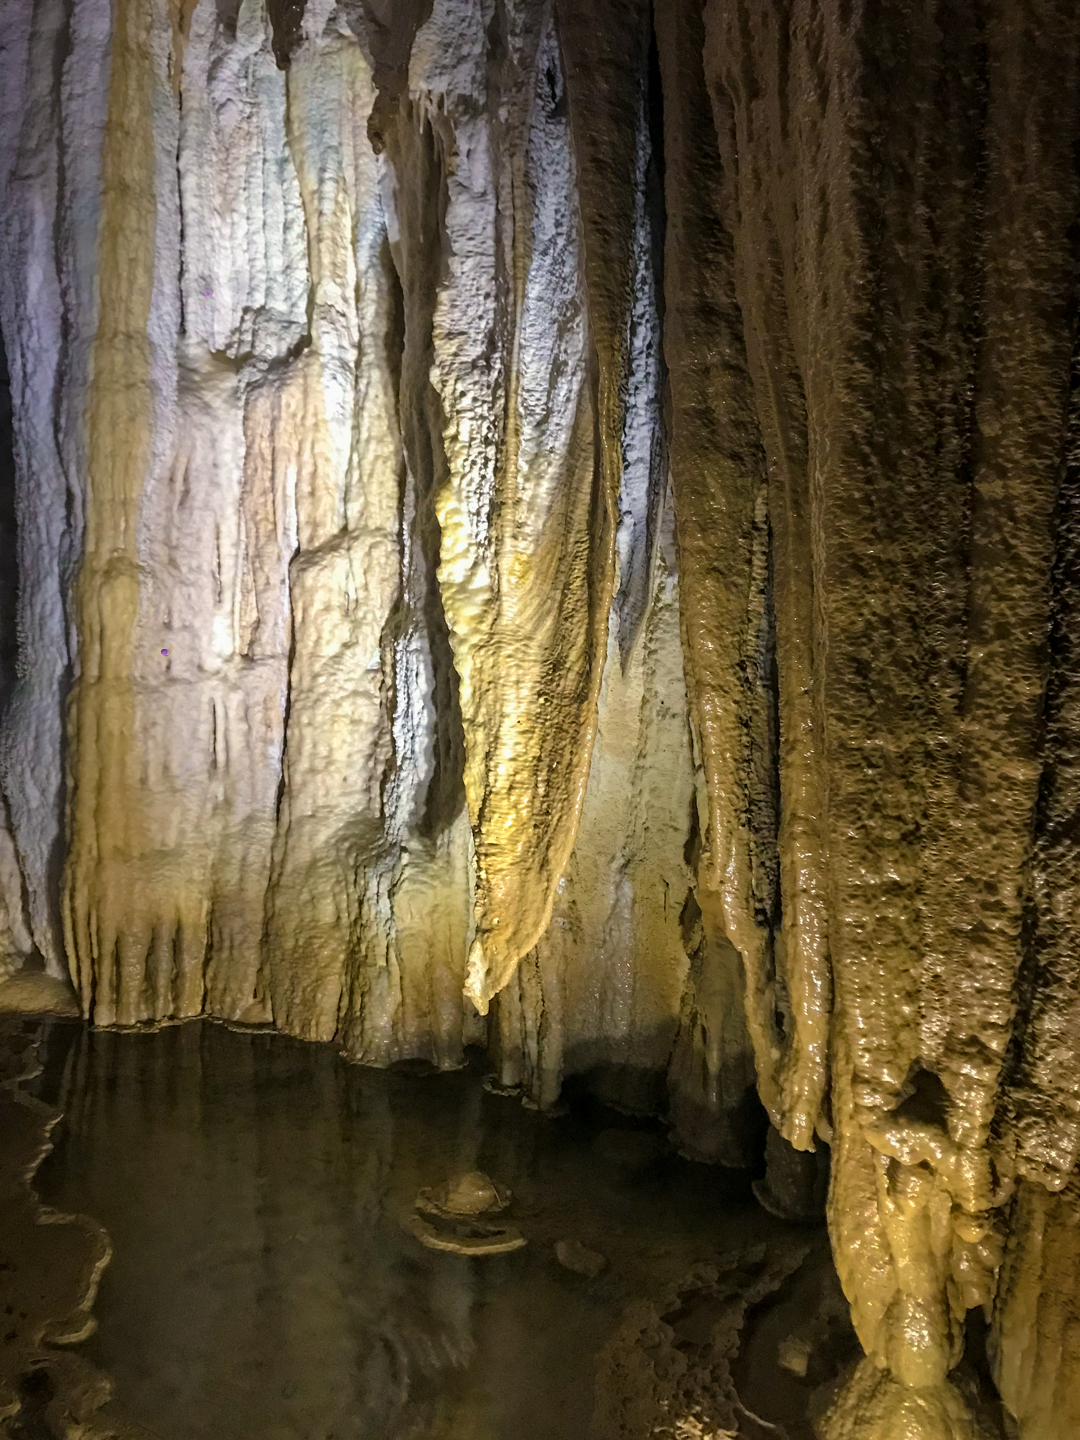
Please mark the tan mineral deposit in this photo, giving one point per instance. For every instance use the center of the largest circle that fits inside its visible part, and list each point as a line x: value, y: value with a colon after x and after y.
x: 540, y: 548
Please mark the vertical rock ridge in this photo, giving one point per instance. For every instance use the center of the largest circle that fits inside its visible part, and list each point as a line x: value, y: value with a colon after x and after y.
x: 907, y: 287
x: 47, y: 314
x: 1035, y: 1341
x: 405, y: 998
x: 111, y: 947
x: 1045, y: 1096
x: 345, y: 575
x: 516, y: 560
x: 758, y: 149
x: 718, y: 475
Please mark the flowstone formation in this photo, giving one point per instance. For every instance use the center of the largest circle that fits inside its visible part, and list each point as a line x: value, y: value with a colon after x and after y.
x: 556, y: 524
x: 871, y: 407
x: 348, y: 592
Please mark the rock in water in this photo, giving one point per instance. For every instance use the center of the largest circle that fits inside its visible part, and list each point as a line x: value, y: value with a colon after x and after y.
x: 449, y: 1217
x: 573, y: 1255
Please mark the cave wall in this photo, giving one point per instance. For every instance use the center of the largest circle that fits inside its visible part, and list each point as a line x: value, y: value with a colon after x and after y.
x: 894, y: 212
x: 348, y: 591
x: 554, y: 525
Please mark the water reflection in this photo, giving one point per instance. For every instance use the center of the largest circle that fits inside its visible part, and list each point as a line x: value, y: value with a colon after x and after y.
x: 263, y: 1285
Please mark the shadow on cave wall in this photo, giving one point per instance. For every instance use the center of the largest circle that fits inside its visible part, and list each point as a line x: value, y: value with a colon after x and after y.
x: 9, y: 564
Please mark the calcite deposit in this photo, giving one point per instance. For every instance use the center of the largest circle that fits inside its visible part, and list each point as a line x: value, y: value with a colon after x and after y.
x: 361, y: 582
x: 459, y: 1217
x: 554, y: 524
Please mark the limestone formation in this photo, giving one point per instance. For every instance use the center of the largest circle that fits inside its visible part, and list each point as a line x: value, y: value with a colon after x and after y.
x: 901, y: 197
x: 666, y: 1373
x: 468, y: 1194
x: 553, y: 524
x: 457, y: 1217
x: 340, y: 508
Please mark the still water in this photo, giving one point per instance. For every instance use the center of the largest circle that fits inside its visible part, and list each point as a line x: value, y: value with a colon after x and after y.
x: 263, y: 1286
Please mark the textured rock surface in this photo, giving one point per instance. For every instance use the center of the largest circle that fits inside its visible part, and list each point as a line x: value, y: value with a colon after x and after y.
x: 360, y: 404
x: 666, y: 1372
x: 570, y: 510
x: 1038, y: 1339
x: 902, y: 200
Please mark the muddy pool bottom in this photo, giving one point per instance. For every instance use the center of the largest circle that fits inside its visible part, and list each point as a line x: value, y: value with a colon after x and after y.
x: 265, y: 1283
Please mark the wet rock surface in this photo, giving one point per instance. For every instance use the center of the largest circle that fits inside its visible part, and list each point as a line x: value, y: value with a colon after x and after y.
x: 796, y: 1182
x: 555, y: 524
x: 457, y: 1217
x: 573, y: 1255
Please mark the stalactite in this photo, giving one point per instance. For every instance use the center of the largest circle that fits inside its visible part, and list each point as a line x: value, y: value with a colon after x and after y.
x: 718, y: 473
x: 524, y: 579
x: 624, y: 889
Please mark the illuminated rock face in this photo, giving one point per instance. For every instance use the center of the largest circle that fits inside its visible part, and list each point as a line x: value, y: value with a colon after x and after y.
x: 348, y: 588
x: 485, y: 550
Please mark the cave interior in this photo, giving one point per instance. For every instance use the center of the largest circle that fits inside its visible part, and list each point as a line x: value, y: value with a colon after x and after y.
x: 540, y: 719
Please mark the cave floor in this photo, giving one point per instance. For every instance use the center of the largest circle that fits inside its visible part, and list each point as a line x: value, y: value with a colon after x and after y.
x: 262, y: 1283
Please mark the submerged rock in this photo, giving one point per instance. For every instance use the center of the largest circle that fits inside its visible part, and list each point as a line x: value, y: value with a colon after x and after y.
x: 471, y: 1193
x: 573, y: 1255
x: 448, y: 1217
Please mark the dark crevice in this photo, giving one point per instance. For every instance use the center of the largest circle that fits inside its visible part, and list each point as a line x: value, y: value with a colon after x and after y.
x: 763, y: 791
x: 386, y: 29
x: 66, y: 424
x: 925, y: 1099
x: 9, y: 598
x: 419, y: 260
x: 1025, y: 990
x: 35, y: 1390
x: 228, y: 12
x: 9, y: 556
x: 807, y: 1322
x: 446, y: 792
x: 286, y: 22
x: 181, y: 248
x: 636, y: 586
x: 396, y: 625
x: 974, y: 1377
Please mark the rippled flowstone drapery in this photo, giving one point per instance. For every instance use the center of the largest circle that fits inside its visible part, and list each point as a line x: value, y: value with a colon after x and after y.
x: 871, y: 382
x: 348, y: 593
x: 575, y: 503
